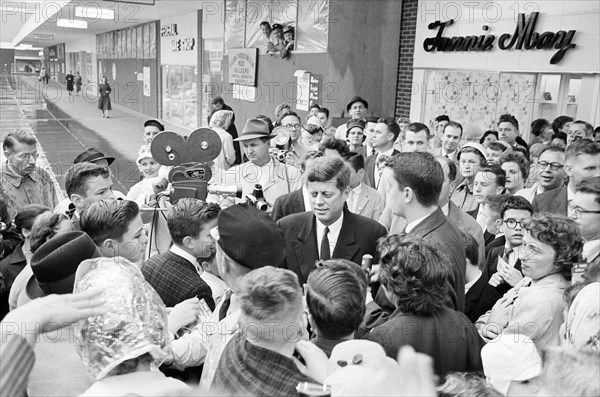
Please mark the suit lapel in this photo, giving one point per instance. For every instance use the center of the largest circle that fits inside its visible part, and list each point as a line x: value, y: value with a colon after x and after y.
x: 429, y: 224
x: 307, y: 245
x: 346, y: 246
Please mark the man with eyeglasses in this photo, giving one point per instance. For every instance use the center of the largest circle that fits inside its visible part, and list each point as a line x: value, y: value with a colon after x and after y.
x: 583, y: 162
x: 585, y: 210
x: 23, y: 181
x: 296, y: 150
x: 551, y: 173
x: 503, y: 263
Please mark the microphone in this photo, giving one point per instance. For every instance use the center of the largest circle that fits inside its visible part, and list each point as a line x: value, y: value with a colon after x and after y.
x: 366, y: 262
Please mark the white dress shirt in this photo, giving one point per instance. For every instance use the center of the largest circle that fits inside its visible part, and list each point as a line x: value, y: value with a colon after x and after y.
x: 414, y: 224
x: 334, y: 233
x: 591, y: 249
x: 472, y: 282
x: 353, y: 197
x: 189, y: 257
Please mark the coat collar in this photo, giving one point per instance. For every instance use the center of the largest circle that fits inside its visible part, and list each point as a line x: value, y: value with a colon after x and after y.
x: 15, y: 179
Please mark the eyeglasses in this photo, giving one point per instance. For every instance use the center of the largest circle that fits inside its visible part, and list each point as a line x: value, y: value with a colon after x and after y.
x: 512, y: 223
x: 577, y: 211
x: 553, y: 166
x: 292, y: 126
x: 28, y: 156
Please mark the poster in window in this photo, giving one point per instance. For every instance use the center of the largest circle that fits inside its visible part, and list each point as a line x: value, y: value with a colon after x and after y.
x: 242, y: 66
x: 146, y: 81
x: 235, y: 23
x: 152, y: 27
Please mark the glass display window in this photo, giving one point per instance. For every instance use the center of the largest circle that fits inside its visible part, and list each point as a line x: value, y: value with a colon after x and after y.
x: 179, y: 95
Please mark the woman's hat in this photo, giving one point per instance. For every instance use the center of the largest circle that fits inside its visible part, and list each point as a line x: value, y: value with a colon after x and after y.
x: 255, y: 128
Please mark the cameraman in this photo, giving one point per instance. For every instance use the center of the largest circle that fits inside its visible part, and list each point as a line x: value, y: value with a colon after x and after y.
x: 276, y: 178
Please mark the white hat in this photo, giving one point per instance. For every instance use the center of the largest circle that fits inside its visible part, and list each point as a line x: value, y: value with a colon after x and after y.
x: 510, y: 357
x: 144, y: 153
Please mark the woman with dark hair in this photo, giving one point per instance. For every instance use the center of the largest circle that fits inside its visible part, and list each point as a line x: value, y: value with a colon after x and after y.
x: 416, y: 281
x: 541, y: 131
x: 104, y: 91
x: 12, y: 265
x: 488, y: 137
x: 534, y: 307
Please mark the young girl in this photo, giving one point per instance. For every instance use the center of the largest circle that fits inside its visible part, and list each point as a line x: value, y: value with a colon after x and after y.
x: 149, y: 169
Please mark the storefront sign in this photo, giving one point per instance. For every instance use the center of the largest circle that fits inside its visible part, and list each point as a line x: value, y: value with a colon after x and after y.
x: 242, y: 66
x: 524, y: 38
x: 168, y: 30
x: 183, y: 44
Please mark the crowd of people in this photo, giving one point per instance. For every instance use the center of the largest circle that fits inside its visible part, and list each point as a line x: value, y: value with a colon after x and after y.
x: 387, y: 258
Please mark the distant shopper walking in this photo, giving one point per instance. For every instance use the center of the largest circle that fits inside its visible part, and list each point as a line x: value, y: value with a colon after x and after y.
x: 70, y: 81
x: 78, y: 83
x: 104, y: 101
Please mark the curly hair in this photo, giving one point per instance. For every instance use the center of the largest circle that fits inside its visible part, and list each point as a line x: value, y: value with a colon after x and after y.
x: 519, y: 159
x: 413, y: 272
x: 44, y: 228
x: 562, y: 234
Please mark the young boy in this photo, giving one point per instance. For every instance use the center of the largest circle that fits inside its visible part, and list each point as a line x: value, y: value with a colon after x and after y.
x: 149, y: 169
x: 494, y: 151
x: 488, y: 180
x: 491, y: 207
x: 503, y: 263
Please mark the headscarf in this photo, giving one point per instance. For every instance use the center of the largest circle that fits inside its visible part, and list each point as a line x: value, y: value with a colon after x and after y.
x: 221, y: 118
x: 135, y: 324
x: 582, y: 326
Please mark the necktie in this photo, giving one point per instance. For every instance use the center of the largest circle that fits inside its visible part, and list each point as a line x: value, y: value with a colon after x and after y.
x: 325, y: 253
x: 373, y: 152
x: 225, y: 305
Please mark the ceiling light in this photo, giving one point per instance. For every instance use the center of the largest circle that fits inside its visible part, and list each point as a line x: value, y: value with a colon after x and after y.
x: 39, y: 36
x: 94, y: 12
x: 77, y: 24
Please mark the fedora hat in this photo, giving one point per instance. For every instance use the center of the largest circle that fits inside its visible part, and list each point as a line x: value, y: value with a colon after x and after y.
x: 92, y: 155
x: 255, y: 128
x: 356, y: 99
x: 54, y: 264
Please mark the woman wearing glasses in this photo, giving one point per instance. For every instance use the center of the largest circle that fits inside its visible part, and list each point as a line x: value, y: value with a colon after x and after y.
x: 534, y: 307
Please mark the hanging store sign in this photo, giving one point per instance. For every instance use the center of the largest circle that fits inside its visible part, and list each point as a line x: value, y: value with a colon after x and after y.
x: 523, y: 38
x: 242, y: 66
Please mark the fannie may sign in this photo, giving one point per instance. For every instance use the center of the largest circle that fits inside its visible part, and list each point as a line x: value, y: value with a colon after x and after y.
x: 523, y: 38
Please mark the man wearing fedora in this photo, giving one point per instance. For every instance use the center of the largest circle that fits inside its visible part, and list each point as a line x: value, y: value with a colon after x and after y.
x: 357, y: 109
x: 58, y: 370
x: 275, y: 178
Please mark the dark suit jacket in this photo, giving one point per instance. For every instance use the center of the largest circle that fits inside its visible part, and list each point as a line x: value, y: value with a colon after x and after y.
x: 480, y: 298
x: 176, y: 279
x: 442, y: 235
x: 553, y: 201
x: 288, y: 204
x: 488, y: 237
x: 496, y: 242
x: 492, y: 267
x: 358, y: 237
x: 474, y: 212
x: 370, y: 169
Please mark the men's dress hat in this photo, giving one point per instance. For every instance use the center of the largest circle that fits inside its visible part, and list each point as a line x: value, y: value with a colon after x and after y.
x: 312, y: 128
x: 355, y: 123
x: 54, y: 264
x: 155, y: 123
x: 250, y: 237
x: 356, y: 99
x: 92, y: 155
x: 255, y: 128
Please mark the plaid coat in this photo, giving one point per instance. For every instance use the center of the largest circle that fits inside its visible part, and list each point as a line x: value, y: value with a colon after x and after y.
x: 176, y: 279
x: 246, y: 369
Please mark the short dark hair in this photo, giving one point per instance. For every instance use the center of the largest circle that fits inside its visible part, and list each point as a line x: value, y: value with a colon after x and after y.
x: 217, y: 100
x: 414, y: 273
x: 562, y: 234
x: 559, y: 122
x: 286, y: 114
x: 443, y: 117
x: 471, y: 249
x: 335, y: 144
x: 188, y: 217
x: 392, y: 126
x: 356, y: 160
x: 324, y: 110
x: 18, y: 136
x: 538, y: 126
x: 454, y: 124
x: 154, y: 123
x: 591, y: 186
x: 589, y: 129
x: 418, y: 127
x: 420, y: 172
x: 263, y: 23
x: 335, y: 295
x: 500, y: 175
x: 559, y: 135
x: 108, y: 218
x: 583, y: 146
x: 324, y: 169
x: 452, y: 168
x: 497, y: 145
x: 485, y: 135
x: 313, y: 154
x: 515, y: 203
x: 508, y: 118
x: 496, y: 201
x: 77, y: 177
x: 519, y: 160
x: 44, y: 227
x: 25, y: 217
x: 315, y: 105
x: 372, y: 119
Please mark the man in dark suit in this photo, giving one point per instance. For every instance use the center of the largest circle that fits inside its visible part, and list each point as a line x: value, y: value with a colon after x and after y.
x: 330, y: 230
x: 583, y: 162
x: 413, y: 184
x: 382, y: 140
x: 175, y: 274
